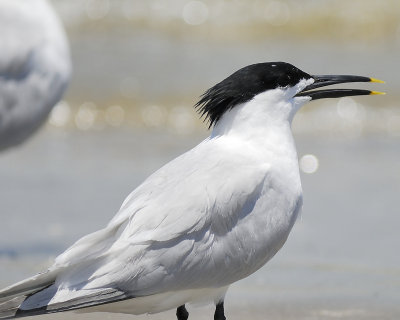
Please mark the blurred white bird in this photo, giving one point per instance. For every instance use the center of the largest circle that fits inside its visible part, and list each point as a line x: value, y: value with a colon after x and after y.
x: 207, y: 219
x: 35, y: 67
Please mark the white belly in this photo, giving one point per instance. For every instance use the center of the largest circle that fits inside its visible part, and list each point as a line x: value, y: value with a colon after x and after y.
x: 161, y: 302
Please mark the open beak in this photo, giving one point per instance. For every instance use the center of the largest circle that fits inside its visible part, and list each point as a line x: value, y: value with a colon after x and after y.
x: 327, y: 80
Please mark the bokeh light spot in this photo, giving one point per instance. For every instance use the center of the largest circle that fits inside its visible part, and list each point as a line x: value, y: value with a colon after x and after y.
x: 97, y: 9
x: 309, y: 163
x: 86, y: 116
x: 60, y: 115
x: 195, y: 13
x: 154, y: 116
x: 114, y: 115
x: 181, y: 120
x: 347, y: 108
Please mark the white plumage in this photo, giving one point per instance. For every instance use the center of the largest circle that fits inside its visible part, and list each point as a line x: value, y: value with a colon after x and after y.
x: 217, y: 210
x: 207, y: 219
x: 34, y: 67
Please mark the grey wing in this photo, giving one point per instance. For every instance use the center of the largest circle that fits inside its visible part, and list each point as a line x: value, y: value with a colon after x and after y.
x: 26, y: 306
x: 160, y: 240
x: 175, y: 229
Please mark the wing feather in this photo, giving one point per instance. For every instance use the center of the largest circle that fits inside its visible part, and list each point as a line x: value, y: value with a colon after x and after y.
x: 168, y: 234
x: 167, y: 219
x: 29, y: 285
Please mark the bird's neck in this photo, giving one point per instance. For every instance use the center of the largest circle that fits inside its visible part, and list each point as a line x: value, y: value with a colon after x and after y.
x: 265, y: 118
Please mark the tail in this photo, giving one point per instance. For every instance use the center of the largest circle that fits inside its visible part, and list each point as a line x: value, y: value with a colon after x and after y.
x: 40, y: 295
x: 12, y: 296
x: 30, y: 285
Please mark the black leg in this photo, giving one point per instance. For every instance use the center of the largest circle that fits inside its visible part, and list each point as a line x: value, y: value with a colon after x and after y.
x: 181, y: 313
x: 219, y: 311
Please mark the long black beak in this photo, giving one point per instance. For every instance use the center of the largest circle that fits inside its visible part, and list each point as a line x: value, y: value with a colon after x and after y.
x: 327, y: 80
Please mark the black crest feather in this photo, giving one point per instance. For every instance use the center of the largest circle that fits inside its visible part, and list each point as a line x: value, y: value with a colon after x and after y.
x: 244, y: 84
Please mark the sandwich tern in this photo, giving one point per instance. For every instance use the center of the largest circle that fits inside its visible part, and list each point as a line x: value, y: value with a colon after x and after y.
x: 212, y: 216
x: 34, y: 67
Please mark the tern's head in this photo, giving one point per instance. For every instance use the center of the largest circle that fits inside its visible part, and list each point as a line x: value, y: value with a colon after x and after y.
x: 280, y: 86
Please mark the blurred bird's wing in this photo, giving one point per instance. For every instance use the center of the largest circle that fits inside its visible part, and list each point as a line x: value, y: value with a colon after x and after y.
x: 34, y: 67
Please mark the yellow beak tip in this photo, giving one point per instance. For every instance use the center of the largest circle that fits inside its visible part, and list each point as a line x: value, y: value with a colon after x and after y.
x: 376, y: 80
x: 377, y: 92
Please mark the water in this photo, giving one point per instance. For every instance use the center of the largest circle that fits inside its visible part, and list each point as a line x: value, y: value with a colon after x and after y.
x: 139, y: 54
x: 143, y: 66
x: 341, y: 257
